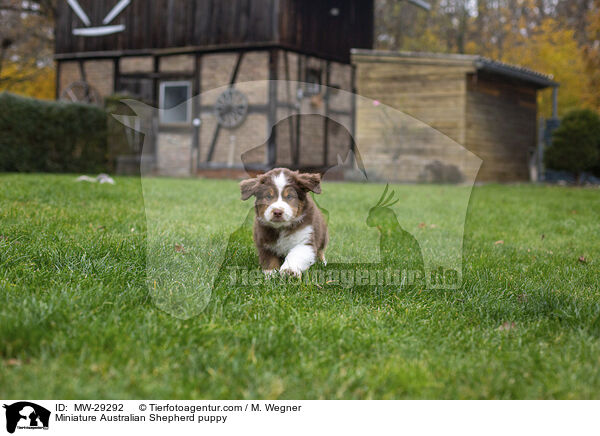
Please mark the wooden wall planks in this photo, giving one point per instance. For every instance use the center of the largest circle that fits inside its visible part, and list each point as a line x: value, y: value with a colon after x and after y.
x: 304, y: 25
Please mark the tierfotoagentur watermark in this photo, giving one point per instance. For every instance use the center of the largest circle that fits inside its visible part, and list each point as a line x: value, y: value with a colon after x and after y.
x: 346, y: 278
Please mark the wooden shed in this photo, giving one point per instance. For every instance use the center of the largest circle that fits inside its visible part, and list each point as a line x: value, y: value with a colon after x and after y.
x: 163, y: 52
x: 486, y: 106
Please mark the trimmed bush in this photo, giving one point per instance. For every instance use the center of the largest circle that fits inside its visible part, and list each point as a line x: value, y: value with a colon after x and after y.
x: 575, y: 143
x: 47, y: 136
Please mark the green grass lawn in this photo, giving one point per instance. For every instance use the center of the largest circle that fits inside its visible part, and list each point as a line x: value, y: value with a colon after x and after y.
x: 77, y: 317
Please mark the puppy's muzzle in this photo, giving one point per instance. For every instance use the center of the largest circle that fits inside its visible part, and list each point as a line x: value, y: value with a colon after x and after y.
x: 277, y: 215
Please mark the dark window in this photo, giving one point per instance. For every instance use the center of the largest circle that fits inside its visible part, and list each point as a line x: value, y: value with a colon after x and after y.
x: 175, y: 102
x: 313, y: 82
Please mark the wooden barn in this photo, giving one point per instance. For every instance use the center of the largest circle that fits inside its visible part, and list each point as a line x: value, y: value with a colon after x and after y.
x: 163, y: 52
x: 488, y: 107
x: 311, y: 56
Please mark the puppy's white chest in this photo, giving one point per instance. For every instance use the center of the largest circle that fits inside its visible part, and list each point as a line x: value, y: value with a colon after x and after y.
x: 287, y: 241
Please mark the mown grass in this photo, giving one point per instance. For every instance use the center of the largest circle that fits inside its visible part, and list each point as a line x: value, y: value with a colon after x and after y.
x: 77, y: 319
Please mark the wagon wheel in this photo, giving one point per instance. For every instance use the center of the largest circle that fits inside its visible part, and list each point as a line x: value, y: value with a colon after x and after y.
x: 81, y: 92
x: 231, y: 108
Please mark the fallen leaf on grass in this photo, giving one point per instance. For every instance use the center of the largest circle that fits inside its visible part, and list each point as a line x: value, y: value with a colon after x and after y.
x: 522, y: 298
x: 179, y: 248
x: 422, y: 225
x: 252, y: 355
x: 507, y: 326
x: 582, y: 259
x: 13, y: 362
x: 500, y: 242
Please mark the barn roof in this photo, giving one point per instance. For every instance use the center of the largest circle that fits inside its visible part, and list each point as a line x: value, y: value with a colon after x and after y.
x: 479, y: 63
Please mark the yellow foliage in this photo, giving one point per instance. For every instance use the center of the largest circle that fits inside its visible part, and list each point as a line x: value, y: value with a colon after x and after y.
x: 29, y: 81
x: 563, y: 42
x: 425, y: 41
x: 592, y: 57
x: 552, y: 49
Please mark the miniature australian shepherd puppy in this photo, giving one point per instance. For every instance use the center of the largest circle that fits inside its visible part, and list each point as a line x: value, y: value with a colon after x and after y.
x: 290, y: 232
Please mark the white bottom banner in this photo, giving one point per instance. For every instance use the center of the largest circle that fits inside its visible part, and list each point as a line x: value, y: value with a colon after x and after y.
x: 23, y: 417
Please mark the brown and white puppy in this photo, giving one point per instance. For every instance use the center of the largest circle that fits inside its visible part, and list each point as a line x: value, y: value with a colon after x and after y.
x: 289, y: 230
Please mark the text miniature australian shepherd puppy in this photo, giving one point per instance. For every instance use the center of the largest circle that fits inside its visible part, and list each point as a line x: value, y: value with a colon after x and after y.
x: 289, y: 230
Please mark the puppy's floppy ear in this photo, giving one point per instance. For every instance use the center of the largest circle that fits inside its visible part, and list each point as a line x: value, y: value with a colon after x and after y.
x: 309, y: 182
x: 248, y: 188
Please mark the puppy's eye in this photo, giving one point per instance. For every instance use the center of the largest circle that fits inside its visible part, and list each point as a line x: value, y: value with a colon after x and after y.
x: 269, y: 197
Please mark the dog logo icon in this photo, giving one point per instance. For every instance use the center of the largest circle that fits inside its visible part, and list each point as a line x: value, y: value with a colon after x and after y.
x: 26, y: 415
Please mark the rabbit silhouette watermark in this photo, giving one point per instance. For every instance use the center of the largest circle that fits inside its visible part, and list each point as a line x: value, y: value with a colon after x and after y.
x: 376, y: 238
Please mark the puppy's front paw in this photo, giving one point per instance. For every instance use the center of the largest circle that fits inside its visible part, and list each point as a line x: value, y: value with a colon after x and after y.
x: 291, y: 270
x: 299, y: 259
x: 292, y: 273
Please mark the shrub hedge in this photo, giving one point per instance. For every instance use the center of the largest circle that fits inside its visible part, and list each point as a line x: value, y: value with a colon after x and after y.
x: 575, y: 143
x: 48, y: 136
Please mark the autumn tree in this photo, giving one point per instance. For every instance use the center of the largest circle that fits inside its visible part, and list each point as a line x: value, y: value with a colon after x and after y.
x: 27, y: 36
x: 556, y: 37
x: 592, y: 57
x: 551, y: 48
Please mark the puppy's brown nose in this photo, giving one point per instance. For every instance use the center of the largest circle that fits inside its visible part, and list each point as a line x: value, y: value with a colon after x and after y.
x: 277, y: 213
